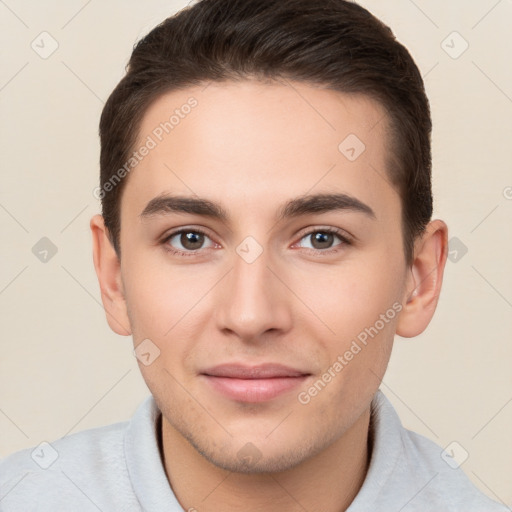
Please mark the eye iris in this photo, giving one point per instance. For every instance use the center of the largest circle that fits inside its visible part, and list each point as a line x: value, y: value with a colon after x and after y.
x: 322, y: 239
x: 192, y: 240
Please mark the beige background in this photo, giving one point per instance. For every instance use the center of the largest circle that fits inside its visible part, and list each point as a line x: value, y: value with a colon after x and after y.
x: 62, y: 370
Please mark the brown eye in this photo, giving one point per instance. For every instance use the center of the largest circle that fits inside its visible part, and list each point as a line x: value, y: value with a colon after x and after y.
x: 188, y: 240
x: 191, y: 240
x: 323, y: 240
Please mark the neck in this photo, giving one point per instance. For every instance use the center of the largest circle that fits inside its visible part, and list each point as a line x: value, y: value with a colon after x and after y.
x: 327, y: 482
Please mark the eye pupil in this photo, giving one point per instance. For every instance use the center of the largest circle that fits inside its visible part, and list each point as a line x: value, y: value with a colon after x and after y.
x: 192, y: 240
x: 324, y: 239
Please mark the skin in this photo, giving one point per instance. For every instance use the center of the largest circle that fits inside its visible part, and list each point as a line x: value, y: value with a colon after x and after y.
x: 250, y: 147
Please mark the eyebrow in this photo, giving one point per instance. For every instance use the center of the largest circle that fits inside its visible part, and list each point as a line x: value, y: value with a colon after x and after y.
x: 303, y: 205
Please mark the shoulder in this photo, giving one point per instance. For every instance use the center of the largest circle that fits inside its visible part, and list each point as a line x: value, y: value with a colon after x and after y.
x: 409, y: 472
x: 440, y: 470
x: 71, y: 470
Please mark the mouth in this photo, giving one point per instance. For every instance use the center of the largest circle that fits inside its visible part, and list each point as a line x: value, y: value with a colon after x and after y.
x: 253, y: 384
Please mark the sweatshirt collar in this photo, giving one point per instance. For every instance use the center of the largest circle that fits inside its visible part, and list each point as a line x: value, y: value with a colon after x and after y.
x: 151, y: 486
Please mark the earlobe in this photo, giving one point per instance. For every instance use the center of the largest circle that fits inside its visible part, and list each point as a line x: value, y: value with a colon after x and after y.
x: 108, y: 271
x: 424, y: 280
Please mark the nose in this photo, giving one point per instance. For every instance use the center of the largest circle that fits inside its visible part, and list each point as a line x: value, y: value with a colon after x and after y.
x: 253, y: 300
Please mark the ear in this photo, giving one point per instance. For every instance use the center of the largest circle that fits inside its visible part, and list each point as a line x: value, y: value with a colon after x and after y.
x: 424, y: 280
x: 108, y: 270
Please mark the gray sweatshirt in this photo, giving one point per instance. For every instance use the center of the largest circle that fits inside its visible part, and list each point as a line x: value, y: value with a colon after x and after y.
x: 119, y: 468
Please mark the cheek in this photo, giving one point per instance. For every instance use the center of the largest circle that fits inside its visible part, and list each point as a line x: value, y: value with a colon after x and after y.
x: 350, y: 297
x: 163, y: 309
x: 150, y: 303
x: 358, y: 302
x: 158, y: 294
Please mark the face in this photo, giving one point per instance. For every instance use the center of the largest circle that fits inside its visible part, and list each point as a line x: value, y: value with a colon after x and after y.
x: 269, y: 276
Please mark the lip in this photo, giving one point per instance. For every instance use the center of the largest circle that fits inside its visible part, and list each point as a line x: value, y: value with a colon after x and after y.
x: 258, y: 383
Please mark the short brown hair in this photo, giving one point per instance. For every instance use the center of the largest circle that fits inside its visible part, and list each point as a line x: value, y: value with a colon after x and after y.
x: 336, y: 44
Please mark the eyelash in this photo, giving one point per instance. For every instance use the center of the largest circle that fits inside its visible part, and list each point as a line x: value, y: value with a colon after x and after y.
x: 345, y: 240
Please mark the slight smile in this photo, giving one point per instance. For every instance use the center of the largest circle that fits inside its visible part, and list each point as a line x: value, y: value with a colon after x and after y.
x: 259, y: 383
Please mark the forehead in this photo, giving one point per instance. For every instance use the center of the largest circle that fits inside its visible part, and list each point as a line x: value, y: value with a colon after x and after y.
x: 251, y: 143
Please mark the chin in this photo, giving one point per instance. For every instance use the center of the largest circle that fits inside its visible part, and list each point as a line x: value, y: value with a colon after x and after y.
x: 259, y: 455
x: 250, y: 460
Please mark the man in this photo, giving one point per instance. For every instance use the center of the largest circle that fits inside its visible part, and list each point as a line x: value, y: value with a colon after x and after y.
x: 266, y: 231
